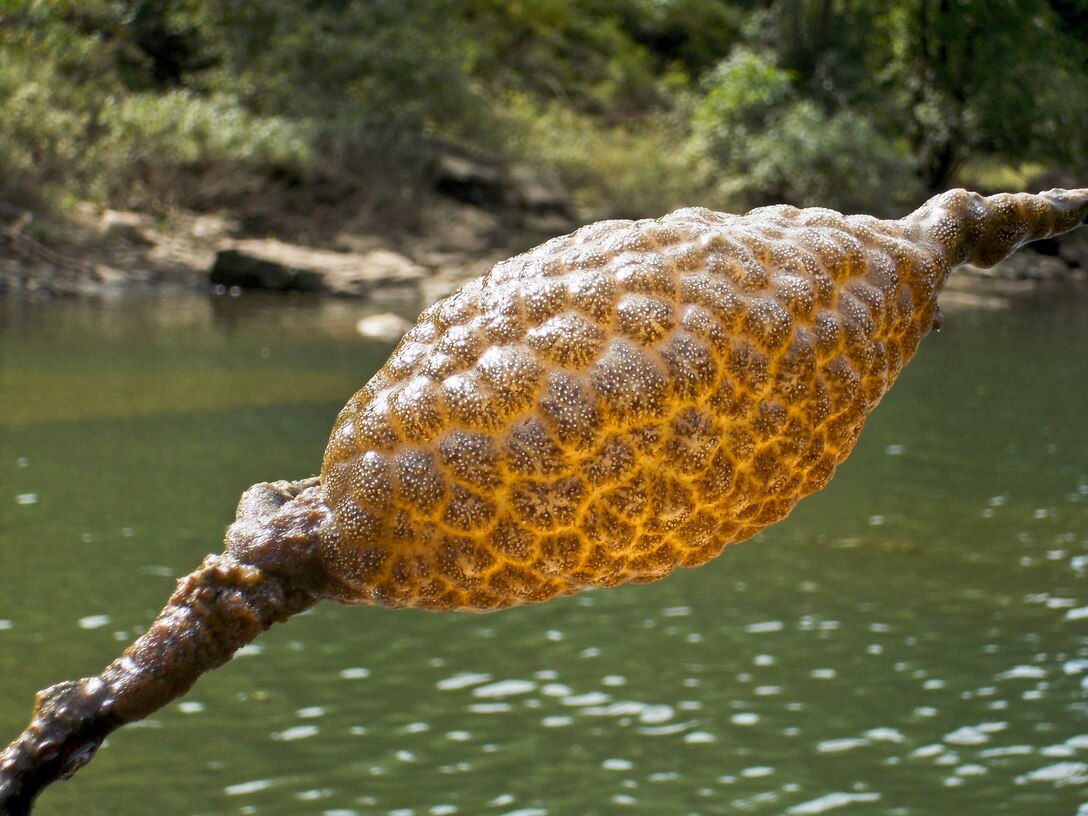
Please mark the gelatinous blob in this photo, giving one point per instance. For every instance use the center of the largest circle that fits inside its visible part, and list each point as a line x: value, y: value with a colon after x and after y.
x: 658, y: 389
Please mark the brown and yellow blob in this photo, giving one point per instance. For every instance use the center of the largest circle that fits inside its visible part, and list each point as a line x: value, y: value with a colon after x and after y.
x: 632, y: 398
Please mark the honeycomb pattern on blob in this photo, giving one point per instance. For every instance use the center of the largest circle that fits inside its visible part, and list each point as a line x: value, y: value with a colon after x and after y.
x: 618, y: 402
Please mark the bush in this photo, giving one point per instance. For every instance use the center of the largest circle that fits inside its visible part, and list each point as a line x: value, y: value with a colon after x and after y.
x: 181, y: 128
x: 631, y: 170
x: 56, y: 139
x: 764, y: 143
x: 99, y: 95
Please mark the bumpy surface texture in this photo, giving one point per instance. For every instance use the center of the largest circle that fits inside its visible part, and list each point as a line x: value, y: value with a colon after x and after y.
x: 633, y: 397
x: 621, y: 401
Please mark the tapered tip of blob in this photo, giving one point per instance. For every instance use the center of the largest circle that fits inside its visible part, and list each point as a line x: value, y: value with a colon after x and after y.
x: 984, y: 230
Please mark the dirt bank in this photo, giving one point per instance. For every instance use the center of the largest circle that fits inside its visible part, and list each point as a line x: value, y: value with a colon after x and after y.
x: 344, y: 244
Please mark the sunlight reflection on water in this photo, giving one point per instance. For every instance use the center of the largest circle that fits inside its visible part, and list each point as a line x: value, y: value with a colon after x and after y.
x: 911, y: 641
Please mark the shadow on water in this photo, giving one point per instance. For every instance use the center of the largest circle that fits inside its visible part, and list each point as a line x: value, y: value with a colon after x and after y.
x: 911, y: 641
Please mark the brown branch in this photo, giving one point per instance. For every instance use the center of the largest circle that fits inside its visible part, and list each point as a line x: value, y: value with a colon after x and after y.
x: 216, y: 610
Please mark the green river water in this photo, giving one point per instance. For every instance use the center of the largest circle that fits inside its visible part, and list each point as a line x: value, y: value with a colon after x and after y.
x: 913, y: 640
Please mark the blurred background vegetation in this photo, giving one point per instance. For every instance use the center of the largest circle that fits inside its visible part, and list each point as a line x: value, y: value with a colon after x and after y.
x: 638, y: 105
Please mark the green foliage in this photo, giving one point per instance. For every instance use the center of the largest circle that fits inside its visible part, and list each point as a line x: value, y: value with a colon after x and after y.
x: 868, y: 107
x: 386, y: 69
x: 685, y: 35
x: 840, y: 160
x: 742, y: 96
x: 72, y: 127
x: 639, y: 104
x: 624, y: 170
x: 180, y: 127
x: 766, y: 143
x: 575, y: 52
x: 973, y: 77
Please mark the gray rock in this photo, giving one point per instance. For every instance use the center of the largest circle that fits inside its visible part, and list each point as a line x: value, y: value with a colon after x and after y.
x: 235, y: 267
x: 1073, y: 249
x: 386, y: 327
x: 537, y: 192
x: 1026, y: 266
x: 516, y: 190
x: 471, y: 179
x: 277, y: 266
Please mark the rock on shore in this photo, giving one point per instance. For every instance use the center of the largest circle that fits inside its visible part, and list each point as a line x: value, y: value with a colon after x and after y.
x: 108, y: 251
x: 274, y: 265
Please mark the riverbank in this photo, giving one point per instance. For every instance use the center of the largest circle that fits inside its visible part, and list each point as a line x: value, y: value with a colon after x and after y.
x: 226, y: 227
x: 284, y: 240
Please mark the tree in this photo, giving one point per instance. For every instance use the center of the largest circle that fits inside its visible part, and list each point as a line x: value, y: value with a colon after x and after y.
x: 770, y: 143
x: 981, y: 77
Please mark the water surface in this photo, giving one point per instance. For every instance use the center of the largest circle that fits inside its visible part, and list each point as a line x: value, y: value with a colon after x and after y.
x: 913, y: 640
